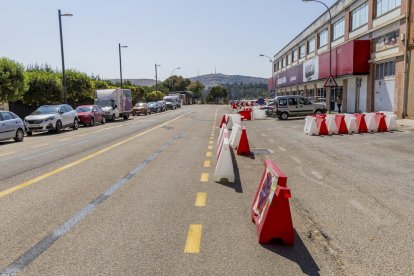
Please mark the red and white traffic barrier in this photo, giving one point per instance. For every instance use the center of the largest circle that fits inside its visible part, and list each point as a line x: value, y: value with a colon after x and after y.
x: 270, y: 210
x: 233, y: 119
x: 224, y: 166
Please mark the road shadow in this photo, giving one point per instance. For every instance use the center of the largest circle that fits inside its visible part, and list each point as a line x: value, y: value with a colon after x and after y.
x: 236, y: 185
x: 297, y: 253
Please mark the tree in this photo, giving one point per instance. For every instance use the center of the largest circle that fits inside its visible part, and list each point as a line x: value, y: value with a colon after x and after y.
x: 216, y: 94
x: 79, y: 86
x: 154, y: 96
x: 44, y: 88
x: 177, y: 83
x: 12, y: 81
x: 196, y: 88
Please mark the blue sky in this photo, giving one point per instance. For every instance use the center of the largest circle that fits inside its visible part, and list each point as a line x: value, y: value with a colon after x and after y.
x: 198, y: 35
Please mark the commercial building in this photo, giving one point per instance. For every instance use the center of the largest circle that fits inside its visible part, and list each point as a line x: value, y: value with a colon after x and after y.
x: 371, y: 55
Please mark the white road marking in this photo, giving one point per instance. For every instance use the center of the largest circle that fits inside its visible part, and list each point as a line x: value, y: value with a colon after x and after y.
x: 7, y: 153
x: 271, y: 140
x: 37, y: 155
x: 39, y: 146
x: 317, y: 175
x: 81, y: 142
x: 281, y: 148
x: 297, y: 160
x: 264, y: 135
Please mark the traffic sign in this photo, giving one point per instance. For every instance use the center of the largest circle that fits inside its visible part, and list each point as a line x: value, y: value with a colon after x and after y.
x: 330, y: 82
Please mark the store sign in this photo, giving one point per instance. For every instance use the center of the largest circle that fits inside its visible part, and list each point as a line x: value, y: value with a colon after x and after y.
x: 387, y: 41
x: 310, y: 70
x: 291, y: 76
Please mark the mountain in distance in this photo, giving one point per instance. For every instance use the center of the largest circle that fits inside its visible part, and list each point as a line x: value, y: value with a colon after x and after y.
x: 208, y: 81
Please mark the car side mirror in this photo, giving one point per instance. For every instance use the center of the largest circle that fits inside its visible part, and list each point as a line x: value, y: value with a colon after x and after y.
x: 61, y: 112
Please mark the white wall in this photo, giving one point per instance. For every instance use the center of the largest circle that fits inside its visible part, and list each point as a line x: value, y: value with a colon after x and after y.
x: 351, y: 91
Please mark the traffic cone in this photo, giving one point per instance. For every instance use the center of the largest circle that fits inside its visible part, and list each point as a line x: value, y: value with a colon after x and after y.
x: 243, y: 148
x: 223, y: 121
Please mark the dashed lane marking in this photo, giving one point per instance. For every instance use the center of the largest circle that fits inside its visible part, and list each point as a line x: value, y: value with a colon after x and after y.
x: 209, y: 154
x: 7, y: 153
x: 65, y: 139
x: 204, y: 177
x: 200, y: 200
x: 207, y: 164
x: 271, y: 140
x: 192, y: 246
x: 210, y: 147
x: 297, y: 160
x: 317, y: 175
x: 281, y: 148
x: 39, y: 146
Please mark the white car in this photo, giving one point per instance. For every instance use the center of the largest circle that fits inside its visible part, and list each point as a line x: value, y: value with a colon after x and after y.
x: 52, y: 118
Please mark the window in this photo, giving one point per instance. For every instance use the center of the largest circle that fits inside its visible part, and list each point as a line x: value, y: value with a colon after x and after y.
x: 323, y: 38
x: 275, y: 67
x: 384, y: 6
x: 289, y: 59
x: 359, y: 16
x: 7, y: 116
x: 295, y: 55
x: 385, y: 70
x: 311, y: 45
x: 293, y: 101
x: 338, y: 29
x: 283, y: 62
x: 302, y: 51
x: 282, y: 102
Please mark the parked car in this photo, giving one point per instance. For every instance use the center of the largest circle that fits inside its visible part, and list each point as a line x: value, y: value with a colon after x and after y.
x: 294, y: 105
x: 52, y: 118
x: 90, y: 114
x: 140, y: 108
x: 172, y: 101
x: 114, y: 102
x: 11, y: 126
x: 154, y: 107
x: 163, y: 105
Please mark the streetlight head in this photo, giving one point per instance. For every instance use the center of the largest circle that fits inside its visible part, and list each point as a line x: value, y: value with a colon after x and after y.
x: 178, y: 68
x: 67, y: 14
x: 261, y: 55
x: 124, y: 46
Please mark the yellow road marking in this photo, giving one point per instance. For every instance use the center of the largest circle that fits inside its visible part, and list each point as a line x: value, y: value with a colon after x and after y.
x: 200, y: 200
x: 210, y: 147
x: 210, y: 142
x: 39, y: 146
x: 209, y: 154
x: 77, y: 162
x: 207, y: 164
x: 204, y: 177
x: 7, y: 153
x: 83, y: 135
x: 193, y: 239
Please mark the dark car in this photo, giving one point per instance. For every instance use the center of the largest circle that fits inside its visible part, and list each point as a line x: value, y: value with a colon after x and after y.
x: 163, y: 105
x: 140, y: 108
x: 154, y: 107
x: 90, y: 114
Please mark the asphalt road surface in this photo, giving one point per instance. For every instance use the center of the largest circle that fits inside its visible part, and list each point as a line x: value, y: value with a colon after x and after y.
x: 137, y: 197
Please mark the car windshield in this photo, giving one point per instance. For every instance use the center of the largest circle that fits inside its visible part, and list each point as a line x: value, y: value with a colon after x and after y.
x: 168, y: 100
x: 103, y: 103
x: 46, y: 109
x: 84, y: 109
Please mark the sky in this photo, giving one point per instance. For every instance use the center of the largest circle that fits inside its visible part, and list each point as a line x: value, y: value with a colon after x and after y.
x: 200, y: 36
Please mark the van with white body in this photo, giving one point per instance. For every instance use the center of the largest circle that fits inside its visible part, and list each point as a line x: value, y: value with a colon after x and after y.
x: 114, y: 102
x: 172, y: 101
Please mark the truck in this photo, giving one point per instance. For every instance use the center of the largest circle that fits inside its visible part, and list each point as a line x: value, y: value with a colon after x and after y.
x: 173, y: 101
x: 114, y: 102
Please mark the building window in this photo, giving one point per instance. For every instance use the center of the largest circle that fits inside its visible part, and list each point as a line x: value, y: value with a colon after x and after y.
x: 359, y: 16
x: 311, y: 45
x: 384, y: 6
x: 289, y: 59
x: 283, y: 62
x: 385, y: 70
x: 338, y: 29
x: 302, y: 51
x: 295, y: 55
x: 275, y: 67
x: 323, y: 38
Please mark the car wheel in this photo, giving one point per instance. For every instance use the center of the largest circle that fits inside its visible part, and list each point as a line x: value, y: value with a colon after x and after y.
x: 19, y: 135
x: 29, y: 133
x: 103, y: 120
x: 284, y: 116
x: 318, y: 111
x: 58, y: 128
x: 92, y: 122
x: 75, y: 124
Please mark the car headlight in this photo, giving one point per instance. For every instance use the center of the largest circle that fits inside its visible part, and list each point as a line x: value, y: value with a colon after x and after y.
x: 50, y: 119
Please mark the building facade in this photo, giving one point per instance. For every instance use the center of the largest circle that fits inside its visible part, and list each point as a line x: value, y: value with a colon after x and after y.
x: 367, y: 47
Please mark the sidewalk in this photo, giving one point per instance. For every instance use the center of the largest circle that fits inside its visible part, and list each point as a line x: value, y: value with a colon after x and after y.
x: 405, y: 122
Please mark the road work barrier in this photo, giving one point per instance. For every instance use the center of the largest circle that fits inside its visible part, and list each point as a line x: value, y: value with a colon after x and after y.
x: 245, y: 114
x: 235, y: 136
x: 390, y: 120
x: 243, y: 147
x: 351, y: 124
x: 224, y: 119
x: 224, y: 167
x: 371, y: 123
x: 259, y: 114
x: 233, y: 119
x: 270, y: 210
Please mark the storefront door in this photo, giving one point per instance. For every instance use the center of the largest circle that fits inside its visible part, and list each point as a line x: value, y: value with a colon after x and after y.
x: 384, y: 95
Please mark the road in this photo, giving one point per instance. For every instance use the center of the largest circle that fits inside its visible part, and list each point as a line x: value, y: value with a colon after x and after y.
x: 137, y: 197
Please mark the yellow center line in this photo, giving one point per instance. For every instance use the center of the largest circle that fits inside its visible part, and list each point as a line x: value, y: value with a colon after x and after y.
x: 200, y: 200
x: 193, y: 239
x: 39, y: 146
x: 207, y: 164
x: 210, y: 147
x: 209, y: 154
x: 77, y: 162
x: 7, y: 153
x: 204, y: 177
x: 210, y: 142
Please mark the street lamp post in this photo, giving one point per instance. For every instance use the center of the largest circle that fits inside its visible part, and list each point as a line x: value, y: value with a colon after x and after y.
x: 156, y: 76
x: 172, y: 72
x: 120, y: 59
x: 328, y: 92
x: 64, y: 96
x: 273, y: 80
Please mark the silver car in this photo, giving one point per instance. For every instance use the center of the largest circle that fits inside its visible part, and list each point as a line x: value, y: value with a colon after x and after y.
x: 295, y: 105
x: 11, y: 126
